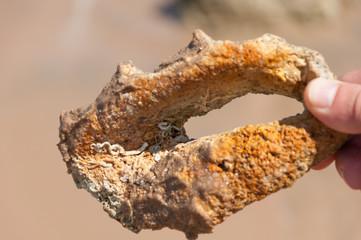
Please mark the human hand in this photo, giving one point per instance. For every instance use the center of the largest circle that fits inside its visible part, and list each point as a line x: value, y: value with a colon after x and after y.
x: 338, y: 105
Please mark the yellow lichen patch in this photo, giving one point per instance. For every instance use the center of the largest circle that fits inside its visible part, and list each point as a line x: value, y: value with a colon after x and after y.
x: 251, y: 55
x: 271, y: 60
x: 213, y: 168
x: 186, y: 174
x: 260, y: 155
x: 83, y: 149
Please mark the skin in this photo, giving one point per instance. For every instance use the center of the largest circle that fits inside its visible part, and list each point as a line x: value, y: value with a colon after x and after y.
x: 338, y: 105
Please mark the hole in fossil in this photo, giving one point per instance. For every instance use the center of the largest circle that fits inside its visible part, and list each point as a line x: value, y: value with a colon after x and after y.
x: 251, y: 109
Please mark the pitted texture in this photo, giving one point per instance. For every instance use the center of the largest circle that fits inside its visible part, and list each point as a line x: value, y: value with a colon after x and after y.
x: 129, y: 148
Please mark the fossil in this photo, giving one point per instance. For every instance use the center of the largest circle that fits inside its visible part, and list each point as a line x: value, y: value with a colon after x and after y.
x: 129, y: 148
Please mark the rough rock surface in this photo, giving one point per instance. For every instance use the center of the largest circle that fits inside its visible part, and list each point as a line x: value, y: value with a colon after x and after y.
x: 130, y: 151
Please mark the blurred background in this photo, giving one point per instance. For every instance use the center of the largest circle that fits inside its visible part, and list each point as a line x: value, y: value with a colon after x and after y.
x: 57, y: 55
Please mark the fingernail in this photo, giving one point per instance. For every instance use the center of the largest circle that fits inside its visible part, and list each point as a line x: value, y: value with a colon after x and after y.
x: 322, y: 92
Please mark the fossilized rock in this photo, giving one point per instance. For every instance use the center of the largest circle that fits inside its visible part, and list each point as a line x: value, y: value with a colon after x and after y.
x: 130, y: 151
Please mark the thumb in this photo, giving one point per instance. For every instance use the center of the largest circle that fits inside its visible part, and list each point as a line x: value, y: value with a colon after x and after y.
x: 337, y: 104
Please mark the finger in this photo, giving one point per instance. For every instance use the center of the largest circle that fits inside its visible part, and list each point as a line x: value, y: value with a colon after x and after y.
x: 348, y: 164
x: 355, y: 140
x: 335, y: 103
x: 324, y: 164
x: 352, y: 77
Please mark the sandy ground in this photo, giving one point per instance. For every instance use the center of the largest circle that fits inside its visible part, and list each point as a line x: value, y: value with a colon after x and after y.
x: 57, y: 55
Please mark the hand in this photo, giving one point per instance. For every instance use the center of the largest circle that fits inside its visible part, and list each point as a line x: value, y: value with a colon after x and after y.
x: 338, y: 105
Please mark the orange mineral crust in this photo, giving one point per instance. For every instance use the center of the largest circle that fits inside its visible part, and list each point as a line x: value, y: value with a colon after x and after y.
x: 129, y: 148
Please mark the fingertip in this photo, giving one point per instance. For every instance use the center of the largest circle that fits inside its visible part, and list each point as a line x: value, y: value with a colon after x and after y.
x: 337, y: 104
x: 324, y: 163
x: 320, y: 93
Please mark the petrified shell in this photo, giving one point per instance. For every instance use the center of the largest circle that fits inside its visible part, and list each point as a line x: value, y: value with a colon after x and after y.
x: 130, y: 151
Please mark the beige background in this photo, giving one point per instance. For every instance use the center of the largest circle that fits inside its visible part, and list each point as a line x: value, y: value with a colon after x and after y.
x: 57, y: 55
